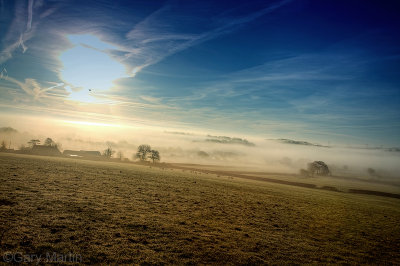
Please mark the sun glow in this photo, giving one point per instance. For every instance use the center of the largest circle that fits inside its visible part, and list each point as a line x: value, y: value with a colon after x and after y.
x: 88, y: 67
x: 86, y: 123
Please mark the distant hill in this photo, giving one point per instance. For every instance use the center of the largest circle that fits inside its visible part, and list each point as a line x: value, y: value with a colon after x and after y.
x: 229, y: 140
x: 178, y: 133
x: 8, y: 130
x: 299, y: 142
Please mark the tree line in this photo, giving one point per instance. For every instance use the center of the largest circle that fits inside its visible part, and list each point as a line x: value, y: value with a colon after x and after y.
x: 144, y: 153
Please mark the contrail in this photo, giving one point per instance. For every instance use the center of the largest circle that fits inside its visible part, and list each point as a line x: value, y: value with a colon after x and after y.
x: 21, y: 43
x: 30, y: 15
x: 3, y: 73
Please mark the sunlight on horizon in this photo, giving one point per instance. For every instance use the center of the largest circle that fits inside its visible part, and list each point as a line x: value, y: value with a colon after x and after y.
x: 86, y: 123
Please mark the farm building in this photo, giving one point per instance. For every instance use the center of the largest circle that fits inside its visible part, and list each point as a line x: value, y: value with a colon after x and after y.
x: 45, y: 150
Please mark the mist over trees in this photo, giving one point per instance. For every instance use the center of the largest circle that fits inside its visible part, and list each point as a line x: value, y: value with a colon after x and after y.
x: 300, y: 142
x: 269, y: 155
x: 120, y: 155
x: 3, y: 145
x: 373, y: 173
x: 154, y: 156
x: 108, y: 153
x: 319, y: 168
x: 145, y: 152
x: 316, y: 167
x: 8, y: 130
x: 229, y: 140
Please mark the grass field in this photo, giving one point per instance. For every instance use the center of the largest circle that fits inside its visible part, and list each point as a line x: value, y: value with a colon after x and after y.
x: 127, y: 213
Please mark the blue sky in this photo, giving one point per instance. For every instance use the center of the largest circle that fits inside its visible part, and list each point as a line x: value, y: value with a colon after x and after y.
x: 321, y: 71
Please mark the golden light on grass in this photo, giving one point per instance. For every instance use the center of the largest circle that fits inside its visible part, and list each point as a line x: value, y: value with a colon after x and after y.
x: 120, y: 213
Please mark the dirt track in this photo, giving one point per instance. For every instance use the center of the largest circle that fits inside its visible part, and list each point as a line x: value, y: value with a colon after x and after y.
x: 285, y: 182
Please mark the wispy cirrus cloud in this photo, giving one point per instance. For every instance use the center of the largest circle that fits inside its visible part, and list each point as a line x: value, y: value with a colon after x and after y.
x: 32, y: 88
x: 157, y: 36
x: 23, y: 27
x: 257, y: 80
x: 20, y: 30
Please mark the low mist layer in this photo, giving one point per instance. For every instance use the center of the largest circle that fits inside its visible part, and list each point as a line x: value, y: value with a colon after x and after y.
x: 255, y: 154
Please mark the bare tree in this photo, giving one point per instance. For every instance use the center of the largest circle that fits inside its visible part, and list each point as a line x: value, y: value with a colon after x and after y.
x: 319, y: 168
x: 143, y: 151
x: 3, y: 146
x: 108, y: 153
x: 120, y: 155
x: 154, y: 155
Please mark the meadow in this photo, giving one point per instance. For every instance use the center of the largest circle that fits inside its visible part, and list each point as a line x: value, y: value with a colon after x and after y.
x: 109, y: 212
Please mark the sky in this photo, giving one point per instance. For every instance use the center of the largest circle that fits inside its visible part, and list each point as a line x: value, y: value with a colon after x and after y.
x: 320, y: 71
